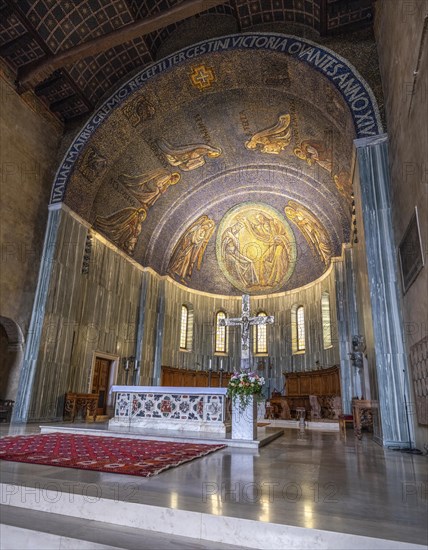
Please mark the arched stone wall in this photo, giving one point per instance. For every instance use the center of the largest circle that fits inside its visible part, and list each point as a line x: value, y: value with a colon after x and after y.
x: 11, y: 351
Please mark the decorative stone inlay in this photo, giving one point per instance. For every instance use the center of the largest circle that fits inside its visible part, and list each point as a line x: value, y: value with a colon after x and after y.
x: 163, y: 406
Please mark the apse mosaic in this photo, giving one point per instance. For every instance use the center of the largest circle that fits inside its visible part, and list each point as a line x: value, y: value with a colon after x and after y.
x: 272, y: 140
x: 256, y: 248
x: 239, y: 185
x: 189, y: 251
x: 315, y: 234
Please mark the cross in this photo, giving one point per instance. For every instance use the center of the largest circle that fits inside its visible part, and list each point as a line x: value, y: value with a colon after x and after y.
x: 246, y: 321
x: 202, y: 77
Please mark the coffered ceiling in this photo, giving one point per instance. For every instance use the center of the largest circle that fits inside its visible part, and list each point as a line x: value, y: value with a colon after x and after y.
x: 34, y: 34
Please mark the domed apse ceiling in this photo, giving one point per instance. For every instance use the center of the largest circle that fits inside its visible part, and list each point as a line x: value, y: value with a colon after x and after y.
x: 230, y: 173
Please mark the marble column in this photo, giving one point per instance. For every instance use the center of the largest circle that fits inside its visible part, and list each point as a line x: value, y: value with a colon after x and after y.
x: 391, y: 360
x: 160, y: 321
x: 140, y: 327
x: 347, y: 325
x: 26, y: 380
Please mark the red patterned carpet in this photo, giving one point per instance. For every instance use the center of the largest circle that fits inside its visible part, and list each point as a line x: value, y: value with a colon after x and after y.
x: 119, y: 455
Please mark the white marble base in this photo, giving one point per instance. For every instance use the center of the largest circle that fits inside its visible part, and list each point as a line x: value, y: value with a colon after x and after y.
x: 197, y: 525
x: 332, y: 426
x: 18, y: 538
x: 264, y: 437
x: 261, y: 411
x: 170, y: 424
x: 244, y: 419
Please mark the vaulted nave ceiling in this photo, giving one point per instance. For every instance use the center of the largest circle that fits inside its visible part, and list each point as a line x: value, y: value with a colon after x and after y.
x: 33, y: 32
x: 230, y: 172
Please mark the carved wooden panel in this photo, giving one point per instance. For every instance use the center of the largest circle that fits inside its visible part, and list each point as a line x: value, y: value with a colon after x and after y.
x: 316, y: 385
x: 305, y: 385
x: 173, y: 376
x: 319, y: 382
x: 292, y: 386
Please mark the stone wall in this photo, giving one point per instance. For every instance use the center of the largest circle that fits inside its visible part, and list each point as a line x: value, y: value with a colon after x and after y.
x: 28, y: 146
x: 279, y: 336
x: 85, y: 313
x: 402, y: 39
x: 96, y: 311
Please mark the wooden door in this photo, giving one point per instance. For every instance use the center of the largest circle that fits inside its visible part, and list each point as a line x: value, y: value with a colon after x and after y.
x: 100, y: 382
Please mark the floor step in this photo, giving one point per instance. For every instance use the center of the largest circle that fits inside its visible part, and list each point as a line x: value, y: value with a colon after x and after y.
x: 55, y: 531
x: 201, y: 528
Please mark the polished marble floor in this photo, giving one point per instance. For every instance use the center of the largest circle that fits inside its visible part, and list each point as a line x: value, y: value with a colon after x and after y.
x: 312, y: 479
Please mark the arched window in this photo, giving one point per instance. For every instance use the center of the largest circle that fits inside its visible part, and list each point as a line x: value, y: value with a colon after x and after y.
x: 326, y: 320
x: 300, y: 322
x: 298, y: 329
x: 184, y: 326
x: 260, y: 336
x: 220, y: 334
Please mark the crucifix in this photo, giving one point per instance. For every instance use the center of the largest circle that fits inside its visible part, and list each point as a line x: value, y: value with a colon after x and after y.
x: 245, y: 321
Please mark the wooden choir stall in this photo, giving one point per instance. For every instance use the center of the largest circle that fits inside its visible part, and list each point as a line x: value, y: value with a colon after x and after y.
x: 173, y: 376
x: 317, y: 392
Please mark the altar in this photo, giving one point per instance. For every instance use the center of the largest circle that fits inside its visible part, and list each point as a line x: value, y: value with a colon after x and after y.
x: 171, y: 408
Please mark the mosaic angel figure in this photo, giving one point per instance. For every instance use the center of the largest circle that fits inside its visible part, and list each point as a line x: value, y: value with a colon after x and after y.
x: 190, y: 248
x: 314, y: 151
x: 343, y: 184
x: 138, y: 110
x: 188, y: 157
x: 123, y: 227
x: 93, y: 164
x: 312, y: 229
x: 147, y: 188
x: 273, y: 139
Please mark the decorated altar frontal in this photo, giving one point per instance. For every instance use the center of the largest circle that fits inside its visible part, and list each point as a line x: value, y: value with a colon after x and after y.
x: 171, y: 408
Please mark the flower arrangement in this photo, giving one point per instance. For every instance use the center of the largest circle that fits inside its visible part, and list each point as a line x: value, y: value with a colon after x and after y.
x: 243, y: 385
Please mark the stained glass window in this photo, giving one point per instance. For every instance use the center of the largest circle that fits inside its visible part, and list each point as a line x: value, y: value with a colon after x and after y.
x: 221, y: 334
x: 300, y: 321
x: 184, y: 326
x: 260, y: 336
x: 326, y: 320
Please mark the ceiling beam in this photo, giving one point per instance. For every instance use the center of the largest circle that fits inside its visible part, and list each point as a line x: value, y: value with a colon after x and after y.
x: 34, y: 72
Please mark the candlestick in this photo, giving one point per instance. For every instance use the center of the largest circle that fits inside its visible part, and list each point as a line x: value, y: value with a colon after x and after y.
x: 210, y: 366
x: 221, y: 364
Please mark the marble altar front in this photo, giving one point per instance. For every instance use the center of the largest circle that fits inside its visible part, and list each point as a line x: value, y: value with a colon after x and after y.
x: 171, y: 408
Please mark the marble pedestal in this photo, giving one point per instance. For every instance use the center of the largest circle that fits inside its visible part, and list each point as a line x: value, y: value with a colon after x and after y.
x: 244, y: 419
